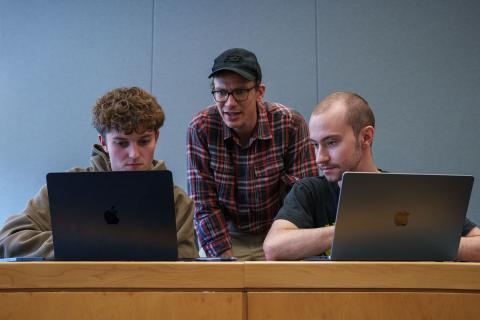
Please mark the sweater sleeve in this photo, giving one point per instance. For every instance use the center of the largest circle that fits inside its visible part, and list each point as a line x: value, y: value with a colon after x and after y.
x: 184, y: 219
x: 28, y: 234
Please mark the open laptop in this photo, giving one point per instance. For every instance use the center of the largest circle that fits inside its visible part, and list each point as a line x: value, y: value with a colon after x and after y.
x: 113, y: 215
x: 392, y: 216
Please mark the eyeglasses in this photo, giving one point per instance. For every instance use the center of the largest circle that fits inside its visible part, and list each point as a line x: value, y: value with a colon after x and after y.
x: 240, y: 94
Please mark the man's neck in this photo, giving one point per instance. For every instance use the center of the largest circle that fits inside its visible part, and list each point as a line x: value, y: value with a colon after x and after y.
x: 244, y: 136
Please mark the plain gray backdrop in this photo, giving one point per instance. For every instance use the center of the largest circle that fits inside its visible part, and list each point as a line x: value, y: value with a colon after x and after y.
x: 416, y: 62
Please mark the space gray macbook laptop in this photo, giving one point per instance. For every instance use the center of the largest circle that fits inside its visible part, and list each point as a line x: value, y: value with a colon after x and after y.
x: 113, y: 215
x: 392, y: 216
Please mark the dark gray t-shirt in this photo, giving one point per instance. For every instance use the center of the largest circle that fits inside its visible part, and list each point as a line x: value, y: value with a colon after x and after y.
x: 312, y: 203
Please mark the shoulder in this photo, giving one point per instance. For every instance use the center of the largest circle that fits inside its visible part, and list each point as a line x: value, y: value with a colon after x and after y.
x: 159, y: 165
x: 275, y: 109
x: 314, y: 183
x: 281, y: 118
x: 314, y: 189
x: 301, y: 203
x: 207, y: 118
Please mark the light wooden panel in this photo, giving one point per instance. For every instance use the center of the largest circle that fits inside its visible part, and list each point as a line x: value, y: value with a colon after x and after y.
x: 121, y: 275
x: 362, y: 305
x: 121, y: 305
x: 388, y: 275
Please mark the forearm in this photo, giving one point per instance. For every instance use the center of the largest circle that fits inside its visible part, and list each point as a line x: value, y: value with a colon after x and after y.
x: 214, y: 239
x: 20, y: 237
x: 28, y: 243
x: 294, y: 244
x: 209, y: 220
x: 29, y: 233
x: 469, y: 249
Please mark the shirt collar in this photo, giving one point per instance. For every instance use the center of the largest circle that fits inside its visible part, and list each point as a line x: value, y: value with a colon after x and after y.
x: 262, y: 130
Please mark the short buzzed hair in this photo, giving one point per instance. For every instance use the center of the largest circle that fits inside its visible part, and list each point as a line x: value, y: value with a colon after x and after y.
x: 358, y: 112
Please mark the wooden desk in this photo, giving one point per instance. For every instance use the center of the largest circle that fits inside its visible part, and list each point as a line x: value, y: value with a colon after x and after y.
x: 239, y: 290
x: 121, y: 290
x: 363, y: 290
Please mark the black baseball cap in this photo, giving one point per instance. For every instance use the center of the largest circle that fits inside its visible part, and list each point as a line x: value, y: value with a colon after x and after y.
x: 240, y: 61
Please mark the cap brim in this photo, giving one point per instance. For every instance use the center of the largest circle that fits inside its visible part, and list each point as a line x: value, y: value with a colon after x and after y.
x: 243, y: 73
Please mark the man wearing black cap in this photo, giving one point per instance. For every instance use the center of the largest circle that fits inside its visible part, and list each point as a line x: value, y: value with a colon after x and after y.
x: 244, y: 154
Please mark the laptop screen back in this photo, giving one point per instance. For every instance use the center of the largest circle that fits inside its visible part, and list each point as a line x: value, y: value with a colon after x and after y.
x: 389, y: 216
x: 113, y: 215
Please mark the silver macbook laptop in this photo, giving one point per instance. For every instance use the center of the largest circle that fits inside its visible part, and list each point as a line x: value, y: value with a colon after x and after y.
x: 113, y: 215
x: 391, y: 216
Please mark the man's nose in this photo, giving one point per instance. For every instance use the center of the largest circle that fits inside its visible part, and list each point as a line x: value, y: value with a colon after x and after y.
x: 321, y: 155
x: 230, y: 100
x: 133, y: 151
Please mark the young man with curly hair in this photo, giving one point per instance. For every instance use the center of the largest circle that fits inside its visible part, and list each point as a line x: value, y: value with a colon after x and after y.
x: 127, y: 121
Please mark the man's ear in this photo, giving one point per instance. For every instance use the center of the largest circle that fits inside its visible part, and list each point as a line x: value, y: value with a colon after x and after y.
x: 367, y: 134
x: 103, y: 143
x: 157, y: 134
x: 260, y: 92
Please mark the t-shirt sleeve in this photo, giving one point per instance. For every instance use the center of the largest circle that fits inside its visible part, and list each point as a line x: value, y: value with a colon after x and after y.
x: 298, y: 206
x: 467, y: 227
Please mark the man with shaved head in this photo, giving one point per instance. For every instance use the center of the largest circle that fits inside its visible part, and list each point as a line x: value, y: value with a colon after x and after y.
x: 342, y: 128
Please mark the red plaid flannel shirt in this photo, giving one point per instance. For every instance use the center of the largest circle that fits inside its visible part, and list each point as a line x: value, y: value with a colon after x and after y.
x: 245, y: 186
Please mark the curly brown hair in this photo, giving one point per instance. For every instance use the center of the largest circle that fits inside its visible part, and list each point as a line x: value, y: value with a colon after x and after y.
x: 127, y: 110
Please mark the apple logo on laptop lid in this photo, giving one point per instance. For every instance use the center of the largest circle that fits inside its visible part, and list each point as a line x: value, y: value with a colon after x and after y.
x: 111, y: 216
x: 400, y: 218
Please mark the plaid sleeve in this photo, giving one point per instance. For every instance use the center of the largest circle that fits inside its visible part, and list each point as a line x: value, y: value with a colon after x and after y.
x: 300, y: 157
x: 209, y: 220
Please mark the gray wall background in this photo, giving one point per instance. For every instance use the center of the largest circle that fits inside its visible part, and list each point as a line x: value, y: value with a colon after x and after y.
x: 416, y: 62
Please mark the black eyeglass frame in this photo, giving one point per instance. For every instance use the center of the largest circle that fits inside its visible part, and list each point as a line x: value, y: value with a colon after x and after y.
x: 234, y: 93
